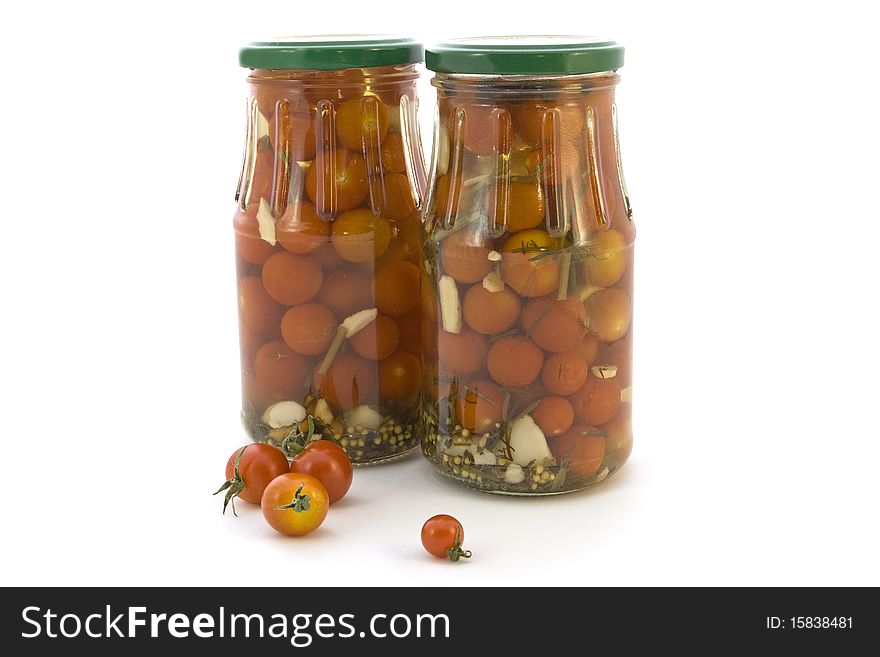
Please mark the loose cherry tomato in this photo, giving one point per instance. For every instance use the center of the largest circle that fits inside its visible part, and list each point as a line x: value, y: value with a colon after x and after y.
x: 327, y: 462
x: 291, y: 279
x: 361, y: 123
x: 400, y: 376
x: 249, y: 470
x: 343, y: 182
x: 308, y: 329
x: 360, y: 236
x: 295, y: 504
x: 442, y: 537
x: 300, y: 229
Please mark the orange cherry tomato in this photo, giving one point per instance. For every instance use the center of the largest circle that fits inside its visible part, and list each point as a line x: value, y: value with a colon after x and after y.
x: 619, y: 354
x: 343, y: 182
x: 360, y: 236
x: 295, y: 504
x: 253, y: 395
x: 263, y: 179
x: 461, y: 201
x: 514, y: 362
x: 490, y: 312
x: 400, y: 376
x: 280, y: 370
x: 377, y: 340
x: 529, y: 277
x: 248, y: 243
x: 465, y: 257
x: 583, y: 446
x: 486, y: 129
x: 564, y: 373
x: 345, y: 291
x: 442, y: 537
x: 348, y: 383
x: 297, y: 125
x: 300, y: 229
x: 398, y: 202
x: 249, y: 470
x: 291, y: 279
x: 619, y: 442
x: 327, y: 462
x: 478, y: 406
x: 532, y: 120
x: 397, y: 288
x: 410, y: 330
x: 608, y: 258
x: 256, y: 309
x: 308, y: 329
x: 393, y: 153
x: 608, y: 314
x: 555, y: 324
x: 597, y: 401
x: 327, y: 258
x: 361, y: 123
x: 461, y: 353
x: 588, y: 348
x: 522, y: 209
x: 554, y: 415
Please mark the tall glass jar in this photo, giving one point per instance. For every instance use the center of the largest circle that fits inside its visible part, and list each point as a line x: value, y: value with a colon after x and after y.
x: 528, y: 267
x: 327, y: 224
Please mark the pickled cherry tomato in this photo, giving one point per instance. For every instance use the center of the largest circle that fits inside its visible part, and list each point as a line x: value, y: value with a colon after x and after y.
x: 345, y: 291
x: 248, y: 243
x: 410, y: 329
x: 400, y: 376
x: 460, y: 199
x: 588, y: 348
x: 300, y: 229
x: 525, y: 206
x: 361, y: 123
x: 619, y: 442
x: 531, y: 278
x: 303, y: 144
x: 348, y: 382
x: 486, y: 128
x: 583, y: 446
x: 461, y: 353
x: 531, y: 120
x: 393, y: 153
x: 343, y: 176
x: 253, y: 394
x: 607, y: 260
x: 377, y: 340
x: 464, y: 257
x: 399, y: 202
x: 553, y: 415
x: 490, y: 312
x: 597, y: 401
x: 619, y: 354
x: 263, y: 179
x: 256, y: 309
x: 478, y: 406
x: 308, y: 329
x: 514, y: 362
x: 564, y: 373
x: 608, y: 314
x: 326, y: 257
x: 291, y: 279
x: 397, y: 288
x: 360, y: 236
x: 555, y: 324
x: 280, y: 370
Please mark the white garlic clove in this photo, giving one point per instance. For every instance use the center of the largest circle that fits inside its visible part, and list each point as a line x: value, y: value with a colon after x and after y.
x: 494, y: 256
x: 604, y: 371
x: 492, y: 282
x: 266, y: 222
x: 323, y: 412
x: 364, y: 416
x: 528, y: 442
x: 484, y: 457
x: 450, y: 304
x: 262, y: 126
x: 359, y: 320
x: 284, y: 414
x: 442, y: 152
x: 514, y: 474
x: 589, y: 291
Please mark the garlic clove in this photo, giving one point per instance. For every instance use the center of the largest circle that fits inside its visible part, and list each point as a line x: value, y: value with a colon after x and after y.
x: 494, y: 256
x: 589, y: 291
x: 442, y: 151
x: 284, y: 414
x: 262, y: 126
x: 626, y: 395
x: 484, y: 457
x: 323, y: 412
x: 450, y: 304
x: 492, y: 282
x: 604, y: 371
x: 514, y: 474
x: 266, y: 222
x: 528, y: 442
x: 359, y: 320
x: 364, y: 416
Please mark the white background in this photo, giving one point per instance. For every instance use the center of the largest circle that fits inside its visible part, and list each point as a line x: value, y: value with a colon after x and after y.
x: 750, y: 142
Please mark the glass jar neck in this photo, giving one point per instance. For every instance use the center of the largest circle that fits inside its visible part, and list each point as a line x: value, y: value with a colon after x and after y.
x: 351, y: 78
x: 525, y: 85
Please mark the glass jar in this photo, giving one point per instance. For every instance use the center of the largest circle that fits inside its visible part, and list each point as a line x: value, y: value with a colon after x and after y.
x: 327, y: 238
x: 528, y: 267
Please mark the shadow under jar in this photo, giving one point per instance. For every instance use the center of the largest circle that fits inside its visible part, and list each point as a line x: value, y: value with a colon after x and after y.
x: 328, y: 249
x: 528, y: 267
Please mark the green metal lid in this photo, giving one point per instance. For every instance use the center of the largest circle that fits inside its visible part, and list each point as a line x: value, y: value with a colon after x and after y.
x: 525, y: 55
x: 331, y: 52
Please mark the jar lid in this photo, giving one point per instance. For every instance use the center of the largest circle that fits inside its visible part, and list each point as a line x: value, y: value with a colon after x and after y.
x: 331, y: 52
x: 525, y: 55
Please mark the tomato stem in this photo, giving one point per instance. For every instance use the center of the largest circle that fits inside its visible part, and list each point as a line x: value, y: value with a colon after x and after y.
x: 299, y: 503
x: 234, y: 485
x: 455, y: 552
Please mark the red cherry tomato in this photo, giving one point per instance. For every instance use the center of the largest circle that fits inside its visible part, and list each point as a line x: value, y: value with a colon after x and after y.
x: 442, y: 537
x: 248, y: 472
x: 329, y: 464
